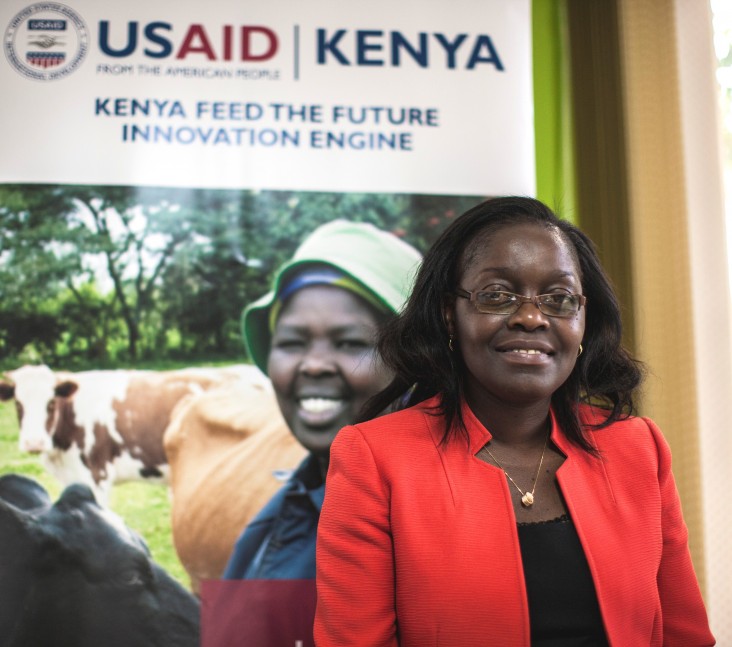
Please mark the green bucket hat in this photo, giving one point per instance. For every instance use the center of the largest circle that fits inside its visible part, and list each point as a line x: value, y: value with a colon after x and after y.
x: 384, y: 265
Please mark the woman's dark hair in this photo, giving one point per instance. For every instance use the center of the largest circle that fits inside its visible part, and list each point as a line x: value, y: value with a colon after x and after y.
x: 415, y: 344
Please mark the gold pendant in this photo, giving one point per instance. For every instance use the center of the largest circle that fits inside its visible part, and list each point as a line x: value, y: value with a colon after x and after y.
x: 527, y: 500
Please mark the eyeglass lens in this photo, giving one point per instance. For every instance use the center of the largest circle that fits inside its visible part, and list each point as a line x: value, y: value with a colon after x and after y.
x: 553, y: 305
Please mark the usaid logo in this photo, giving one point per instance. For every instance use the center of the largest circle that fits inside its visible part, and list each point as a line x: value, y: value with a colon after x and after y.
x: 46, y: 41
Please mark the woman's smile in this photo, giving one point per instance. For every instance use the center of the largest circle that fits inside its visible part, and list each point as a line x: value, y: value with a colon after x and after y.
x: 320, y: 411
x: 526, y: 356
x: 525, y: 353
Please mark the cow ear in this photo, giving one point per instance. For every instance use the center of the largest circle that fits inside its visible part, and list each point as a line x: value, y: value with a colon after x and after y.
x: 7, y: 391
x: 65, y: 389
x: 16, y: 526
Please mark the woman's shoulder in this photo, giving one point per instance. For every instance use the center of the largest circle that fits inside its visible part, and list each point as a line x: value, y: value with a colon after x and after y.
x: 594, y: 416
x: 634, y: 432
x: 417, y: 421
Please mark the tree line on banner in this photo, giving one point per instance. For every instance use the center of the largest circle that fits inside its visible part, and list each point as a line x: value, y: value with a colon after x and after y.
x: 102, y: 275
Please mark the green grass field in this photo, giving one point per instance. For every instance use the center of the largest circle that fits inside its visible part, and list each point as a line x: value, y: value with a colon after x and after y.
x: 144, y: 507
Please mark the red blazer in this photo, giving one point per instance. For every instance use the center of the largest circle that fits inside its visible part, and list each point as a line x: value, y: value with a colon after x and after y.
x: 417, y: 542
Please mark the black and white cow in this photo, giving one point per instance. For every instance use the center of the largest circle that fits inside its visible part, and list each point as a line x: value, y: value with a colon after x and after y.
x: 73, y: 574
x: 103, y: 427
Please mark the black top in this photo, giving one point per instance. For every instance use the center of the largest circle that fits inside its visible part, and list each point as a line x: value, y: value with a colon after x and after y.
x: 563, y: 605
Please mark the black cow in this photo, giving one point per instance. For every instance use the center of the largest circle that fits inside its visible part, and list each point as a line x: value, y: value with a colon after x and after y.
x: 73, y: 574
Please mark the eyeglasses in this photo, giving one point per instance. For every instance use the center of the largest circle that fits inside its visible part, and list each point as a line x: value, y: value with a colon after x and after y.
x: 559, y: 304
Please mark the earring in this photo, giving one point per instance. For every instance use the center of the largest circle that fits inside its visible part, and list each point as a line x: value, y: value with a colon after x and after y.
x: 579, y: 352
x: 449, y: 344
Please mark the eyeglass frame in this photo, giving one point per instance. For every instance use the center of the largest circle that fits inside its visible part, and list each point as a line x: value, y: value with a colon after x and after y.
x: 520, y: 300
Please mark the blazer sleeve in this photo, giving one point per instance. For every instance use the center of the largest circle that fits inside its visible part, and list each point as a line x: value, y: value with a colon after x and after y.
x: 685, y: 620
x: 355, y: 563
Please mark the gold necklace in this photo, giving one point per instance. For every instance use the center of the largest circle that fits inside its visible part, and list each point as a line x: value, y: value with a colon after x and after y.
x: 527, y: 498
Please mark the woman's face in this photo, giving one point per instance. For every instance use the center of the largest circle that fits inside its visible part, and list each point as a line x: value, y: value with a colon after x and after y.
x: 519, y: 359
x: 323, y: 363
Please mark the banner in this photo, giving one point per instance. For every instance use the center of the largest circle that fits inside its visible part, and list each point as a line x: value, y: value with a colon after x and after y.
x: 407, y: 97
x: 160, y: 161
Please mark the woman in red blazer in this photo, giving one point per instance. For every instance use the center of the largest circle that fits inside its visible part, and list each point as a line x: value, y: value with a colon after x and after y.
x: 517, y: 502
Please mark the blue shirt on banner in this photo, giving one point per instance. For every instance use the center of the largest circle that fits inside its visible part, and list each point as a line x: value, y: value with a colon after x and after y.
x: 279, y: 543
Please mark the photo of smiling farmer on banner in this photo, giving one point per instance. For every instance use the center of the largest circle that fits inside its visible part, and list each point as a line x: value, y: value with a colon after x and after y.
x: 314, y: 336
